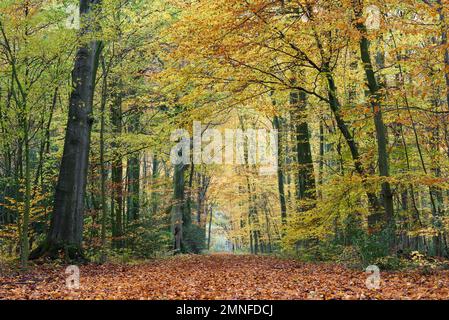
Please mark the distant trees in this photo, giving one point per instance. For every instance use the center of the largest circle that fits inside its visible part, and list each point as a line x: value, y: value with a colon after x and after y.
x: 323, y: 53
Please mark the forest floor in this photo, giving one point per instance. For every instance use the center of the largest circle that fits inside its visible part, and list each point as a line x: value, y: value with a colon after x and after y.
x: 221, y: 276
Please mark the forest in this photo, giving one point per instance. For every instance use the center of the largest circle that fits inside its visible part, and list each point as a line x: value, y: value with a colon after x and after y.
x: 260, y: 149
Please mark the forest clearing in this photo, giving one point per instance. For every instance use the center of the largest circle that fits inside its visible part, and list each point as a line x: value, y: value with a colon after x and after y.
x: 254, y: 149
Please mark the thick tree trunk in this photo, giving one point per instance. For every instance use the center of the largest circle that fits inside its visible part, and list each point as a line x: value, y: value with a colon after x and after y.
x: 66, y: 228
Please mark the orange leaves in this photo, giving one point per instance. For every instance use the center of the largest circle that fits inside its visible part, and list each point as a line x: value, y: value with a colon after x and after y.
x: 221, y: 277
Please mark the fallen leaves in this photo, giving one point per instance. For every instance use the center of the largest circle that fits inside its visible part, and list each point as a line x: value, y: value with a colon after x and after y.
x: 226, y: 277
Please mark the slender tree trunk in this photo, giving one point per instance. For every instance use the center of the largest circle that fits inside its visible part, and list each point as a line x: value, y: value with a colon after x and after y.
x: 134, y: 177
x: 117, y: 165
x: 252, y: 209
x: 178, y: 206
x: 24, y: 252
x: 200, y: 198
x: 256, y: 242
x: 267, y: 226
x: 444, y: 44
x: 251, y: 242
x: 381, y: 131
x: 188, y: 211
x: 210, y: 228
x: 335, y: 106
x: 45, y: 144
x: 154, y: 176
x: 322, y: 154
x: 104, y: 211
x: 306, y: 187
x: 417, y: 218
x: 280, y: 172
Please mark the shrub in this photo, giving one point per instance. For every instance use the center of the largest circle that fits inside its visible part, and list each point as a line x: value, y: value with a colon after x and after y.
x: 390, y: 263
x: 194, y: 239
x: 350, y: 257
x: 319, y: 252
x: 372, y: 247
x: 147, y: 243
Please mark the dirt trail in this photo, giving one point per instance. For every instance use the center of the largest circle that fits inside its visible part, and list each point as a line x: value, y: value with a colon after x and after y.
x: 221, y: 277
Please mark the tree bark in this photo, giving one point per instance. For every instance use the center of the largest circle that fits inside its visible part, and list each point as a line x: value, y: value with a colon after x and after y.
x: 117, y: 167
x: 350, y: 141
x: 280, y: 172
x: 66, y: 228
x: 381, y: 131
x: 306, y: 186
x: 444, y: 43
x: 179, y: 206
x: 134, y: 177
x: 210, y: 228
x: 104, y: 211
x: 154, y: 176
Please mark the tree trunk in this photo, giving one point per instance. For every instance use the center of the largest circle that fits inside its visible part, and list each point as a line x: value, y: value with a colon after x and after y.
x: 154, y: 176
x: 25, y: 247
x: 306, y: 188
x: 334, y: 104
x: 444, y: 44
x: 381, y: 131
x: 178, y: 207
x: 133, y: 173
x: 210, y: 228
x: 104, y: 211
x: 280, y: 172
x: 117, y: 167
x: 322, y: 154
x: 66, y: 228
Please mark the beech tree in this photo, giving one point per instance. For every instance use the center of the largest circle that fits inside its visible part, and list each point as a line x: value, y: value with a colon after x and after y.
x: 66, y: 228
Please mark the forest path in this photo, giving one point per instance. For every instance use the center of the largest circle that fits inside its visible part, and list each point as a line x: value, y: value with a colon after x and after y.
x: 220, y: 276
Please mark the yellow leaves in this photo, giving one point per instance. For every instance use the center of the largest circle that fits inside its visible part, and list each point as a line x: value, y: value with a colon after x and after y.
x: 37, y: 213
x: 431, y: 181
x: 37, y: 209
x: 9, y: 232
x: 423, y: 232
